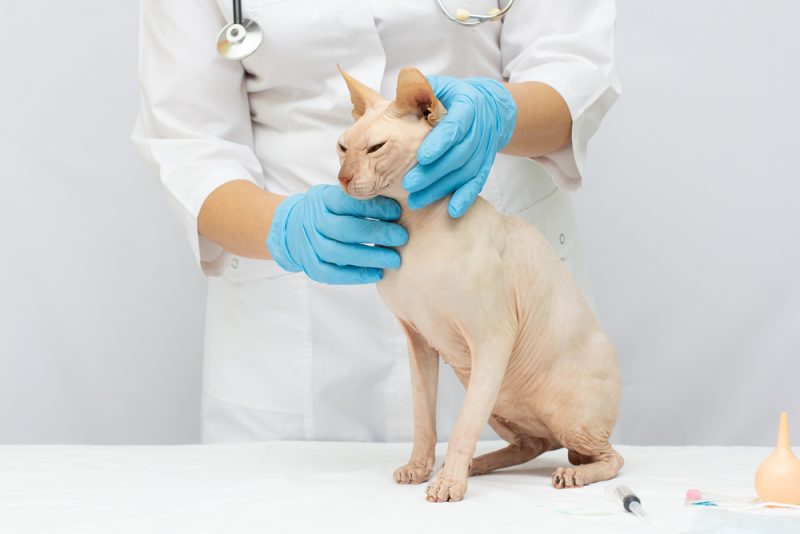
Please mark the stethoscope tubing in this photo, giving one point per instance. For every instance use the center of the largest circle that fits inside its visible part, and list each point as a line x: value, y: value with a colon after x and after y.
x: 473, y: 19
x: 237, y: 11
x: 223, y: 43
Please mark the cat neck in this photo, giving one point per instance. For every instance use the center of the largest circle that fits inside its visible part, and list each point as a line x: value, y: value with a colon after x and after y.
x: 412, y: 219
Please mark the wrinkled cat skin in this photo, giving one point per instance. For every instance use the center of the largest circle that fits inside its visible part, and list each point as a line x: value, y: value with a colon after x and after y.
x: 488, y: 294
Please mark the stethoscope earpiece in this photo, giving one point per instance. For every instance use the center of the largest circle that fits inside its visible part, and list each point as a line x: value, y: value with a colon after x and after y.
x: 465, y: 18
x: 242, y: 37
x: 463, y: 15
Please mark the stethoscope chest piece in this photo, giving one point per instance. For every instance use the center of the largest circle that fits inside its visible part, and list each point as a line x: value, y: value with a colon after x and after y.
x: 241, y: 37
x: 239, y: 40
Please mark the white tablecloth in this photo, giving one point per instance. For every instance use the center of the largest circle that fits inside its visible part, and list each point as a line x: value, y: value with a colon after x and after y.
x: 321, y: 487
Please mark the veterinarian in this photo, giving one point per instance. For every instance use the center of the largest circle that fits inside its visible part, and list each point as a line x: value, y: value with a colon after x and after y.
x: 302, y: 347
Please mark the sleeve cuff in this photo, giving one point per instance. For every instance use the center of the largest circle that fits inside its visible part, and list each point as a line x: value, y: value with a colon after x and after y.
x: 189, y: 186
x: 588, y: 95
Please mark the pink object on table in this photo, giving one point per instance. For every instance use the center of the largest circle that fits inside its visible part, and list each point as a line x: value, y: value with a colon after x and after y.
x: 693, y: 495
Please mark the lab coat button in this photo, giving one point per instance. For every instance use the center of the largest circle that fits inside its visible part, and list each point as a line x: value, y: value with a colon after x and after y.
x: 562, y: 239
x: 235, y: 263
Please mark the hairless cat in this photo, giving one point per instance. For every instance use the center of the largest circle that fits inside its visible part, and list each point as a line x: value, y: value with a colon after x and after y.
x: 487, y: 293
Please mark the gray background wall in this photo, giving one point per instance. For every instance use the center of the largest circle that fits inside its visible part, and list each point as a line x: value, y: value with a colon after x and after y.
x: 689, y: 218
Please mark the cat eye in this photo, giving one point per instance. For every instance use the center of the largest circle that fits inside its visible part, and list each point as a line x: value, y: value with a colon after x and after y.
x: 374, y: 148
x: 342, y: 148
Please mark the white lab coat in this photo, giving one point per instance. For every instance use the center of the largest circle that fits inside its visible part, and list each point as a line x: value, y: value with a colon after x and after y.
x: 286, y: 357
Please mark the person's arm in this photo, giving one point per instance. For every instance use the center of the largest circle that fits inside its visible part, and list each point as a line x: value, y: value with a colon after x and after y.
x: 237, y: 216
x: 568, y: 47
x: 544, y: 123
x: 321, y: 232
x: 557, y: 58
x: 194, y: 124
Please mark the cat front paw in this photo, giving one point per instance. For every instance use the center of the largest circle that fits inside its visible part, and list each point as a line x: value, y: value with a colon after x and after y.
x: 413, y: 473
x: 445, y: 489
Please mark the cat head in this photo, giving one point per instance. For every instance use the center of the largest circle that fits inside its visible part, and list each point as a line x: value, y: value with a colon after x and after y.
x: 377, y: 151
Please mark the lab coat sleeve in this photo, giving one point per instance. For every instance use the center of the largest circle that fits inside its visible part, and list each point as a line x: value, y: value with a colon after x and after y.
x: 194, y: 125
x: 568, y: 45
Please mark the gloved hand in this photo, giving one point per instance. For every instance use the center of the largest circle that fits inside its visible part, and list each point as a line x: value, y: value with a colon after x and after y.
x: 322, y: 231
x: 458, y: 153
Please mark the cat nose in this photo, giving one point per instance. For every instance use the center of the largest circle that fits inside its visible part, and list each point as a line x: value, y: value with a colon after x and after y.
x: 345, y: 179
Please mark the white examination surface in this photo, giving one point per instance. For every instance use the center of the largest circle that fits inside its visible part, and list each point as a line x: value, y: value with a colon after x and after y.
x: 329, y: 486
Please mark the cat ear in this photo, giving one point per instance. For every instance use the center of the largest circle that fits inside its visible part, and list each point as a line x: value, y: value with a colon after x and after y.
x: 361, y: 96
x: 415, y: 95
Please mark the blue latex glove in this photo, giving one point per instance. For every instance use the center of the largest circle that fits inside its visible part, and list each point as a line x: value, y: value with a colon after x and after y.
x: 321, y: 232
x: 458, y: 153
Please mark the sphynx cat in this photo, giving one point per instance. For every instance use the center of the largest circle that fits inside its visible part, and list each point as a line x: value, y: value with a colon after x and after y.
x: 488, y: 294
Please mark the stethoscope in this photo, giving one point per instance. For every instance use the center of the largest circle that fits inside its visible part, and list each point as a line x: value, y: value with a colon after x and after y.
x: 242, y: 37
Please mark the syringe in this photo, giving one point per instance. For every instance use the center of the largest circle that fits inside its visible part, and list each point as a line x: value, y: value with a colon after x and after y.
x: 630, y: 502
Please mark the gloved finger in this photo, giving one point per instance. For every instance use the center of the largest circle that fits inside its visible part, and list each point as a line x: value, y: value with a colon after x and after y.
x: 437, y: 190
x: 357, y: 255
x: 465, y: 195
x: 444, y: 88
x: 328, y: 273
x: 339, y: 202
x: 455, y: 179
x: 347, y: 229
x: 451, y: 130
x: 463, y: 155
x: 463, y: 198
x: 479, y: 163
x: 438, y: 83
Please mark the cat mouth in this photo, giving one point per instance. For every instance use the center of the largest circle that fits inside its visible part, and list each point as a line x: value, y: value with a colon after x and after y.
x: 361, y: 194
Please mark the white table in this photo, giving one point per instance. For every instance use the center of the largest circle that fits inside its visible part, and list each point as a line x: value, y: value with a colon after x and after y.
x: 322, y: 487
